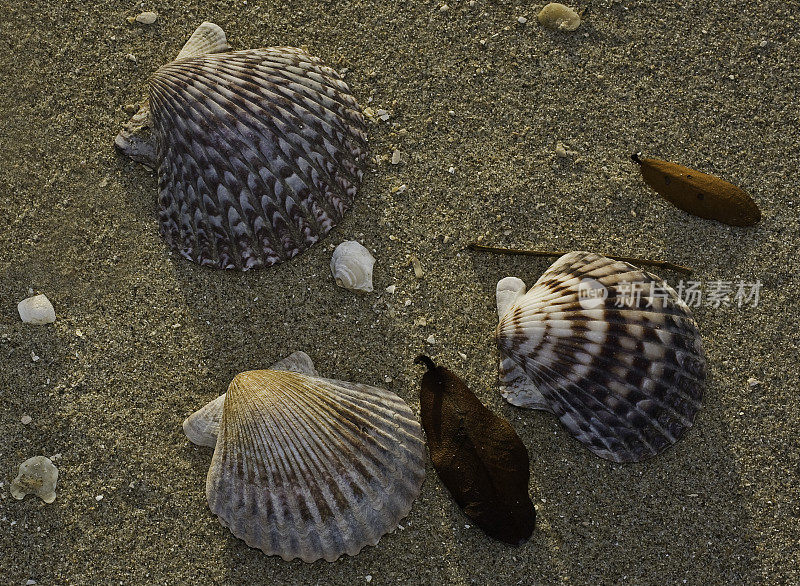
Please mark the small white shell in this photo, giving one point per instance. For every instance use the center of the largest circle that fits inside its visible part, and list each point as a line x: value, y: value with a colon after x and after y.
x: 559, y: 17
x: 351, y: 266
x: 37, y: 475
x: 311, y: 468
x: 202, y: 426
x: 36, y: 310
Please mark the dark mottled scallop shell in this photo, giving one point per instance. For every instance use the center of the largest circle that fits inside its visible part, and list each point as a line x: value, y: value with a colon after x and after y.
x: 624, y: 374
x: 260, y: 153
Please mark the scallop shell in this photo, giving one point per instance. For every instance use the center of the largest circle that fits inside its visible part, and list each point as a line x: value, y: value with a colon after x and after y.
x: 202, y: 426
x: 351, y: 266
x: 625, y: 378
x: 311, y: 468
x: 260, y: 153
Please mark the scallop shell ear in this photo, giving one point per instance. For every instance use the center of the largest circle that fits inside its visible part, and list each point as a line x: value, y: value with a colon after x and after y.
x: 351, y: 266
x: 261, y: 153
x: 206, y: 39
x: 202, y: 426
x: 311, y: 468
x: 623, y: 372
x: 136, y: 139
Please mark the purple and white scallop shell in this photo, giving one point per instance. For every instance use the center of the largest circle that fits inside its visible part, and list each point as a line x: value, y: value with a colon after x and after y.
x: 259, y: 152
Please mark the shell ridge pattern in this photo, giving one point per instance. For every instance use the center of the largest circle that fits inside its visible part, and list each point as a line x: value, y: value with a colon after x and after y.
x: 624, y: 378
x: 256, y: 162
x: 172, y: 183
x: 286, y: 241
x: 299, y: 145
x: 215, y: 155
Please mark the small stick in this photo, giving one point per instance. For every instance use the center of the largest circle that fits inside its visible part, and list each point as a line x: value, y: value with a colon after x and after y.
x: 641, y: 261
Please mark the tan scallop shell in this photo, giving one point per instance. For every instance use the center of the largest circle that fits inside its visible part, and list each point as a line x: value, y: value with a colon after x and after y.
x: 311, y: 468
x: 202, y: 426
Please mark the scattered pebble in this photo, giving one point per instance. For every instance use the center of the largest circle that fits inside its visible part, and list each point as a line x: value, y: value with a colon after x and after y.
x: 400, y: 189
x: 522, y: 20
x: 26, y: 419
x: 368, y: 578
x: 98, y: 498
x: 395, y: 157
x: 391, y: 289
x: 387, y: 379
x: 444, y: 8
x: 417, y: 266
x: 146, y: 17
x: 37, y: 475
x: 430, y: 339
x: 561, y: 151
x: 462, y: 356
x: 34, y: 357
x: 451, y: 170
x: 407, y: 302
x: 559, y: 17
x: 762, y: 44
x: 36, y: 310
x: 131, y: 57
x: 753, y: 383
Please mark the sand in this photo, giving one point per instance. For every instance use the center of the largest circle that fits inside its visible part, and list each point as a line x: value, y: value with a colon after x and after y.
x: 144, y: 338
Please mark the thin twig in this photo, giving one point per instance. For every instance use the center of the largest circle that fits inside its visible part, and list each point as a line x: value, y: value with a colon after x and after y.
x: 641, y: 261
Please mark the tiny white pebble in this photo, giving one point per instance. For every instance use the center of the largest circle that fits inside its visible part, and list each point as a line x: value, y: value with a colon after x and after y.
x: 391, y: 289
x: 561, y: 151
x: 731, y: 76
x: 387, y: 379
x: 522, y: 20
x: 753, y: 382
x: 34, y: 357
x: 396, y: 157
x: 444, y: 8
x: 762, y: 44
x: 407, y: 302
x: 146, y: 18
x: 462, y: 355
x: 431, y: 339
x: 451, y: 170
x: 131, y: 57
x: 467, y: 526
x: 26, y: 419
x: 98, y: 498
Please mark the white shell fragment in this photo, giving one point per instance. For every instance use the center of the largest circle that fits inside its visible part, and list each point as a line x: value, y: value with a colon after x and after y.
x: 37, y: 475
x: 202, y: 426
x: 311, y: 468
x: 36, y: 310
x: 559, y: 17
x: 610, y: 349
x: 146, y: 17
x: 351, y: 266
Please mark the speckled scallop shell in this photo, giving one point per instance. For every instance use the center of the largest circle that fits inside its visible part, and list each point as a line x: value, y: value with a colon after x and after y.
x: 259, y: 153
x: 625, y: 375
x: 311, y: 468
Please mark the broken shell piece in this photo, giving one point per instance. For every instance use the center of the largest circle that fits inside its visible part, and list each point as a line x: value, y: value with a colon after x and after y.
x: 311, y: 468
x: 36, y: 310
x: 559, y: 17
x: 202, y: 426
x: 351, y: 266
x: 146, y: 17
x: 611, y: 350
x: 37, y: 475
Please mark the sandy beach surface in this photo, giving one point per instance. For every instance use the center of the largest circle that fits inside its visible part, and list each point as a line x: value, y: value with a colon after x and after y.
x: 477, y: 103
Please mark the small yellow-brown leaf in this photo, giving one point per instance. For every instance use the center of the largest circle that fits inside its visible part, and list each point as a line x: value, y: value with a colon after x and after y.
x: 699, y: 193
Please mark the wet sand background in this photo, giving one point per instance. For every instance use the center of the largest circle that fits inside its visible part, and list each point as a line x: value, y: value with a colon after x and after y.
x: 712, y: 85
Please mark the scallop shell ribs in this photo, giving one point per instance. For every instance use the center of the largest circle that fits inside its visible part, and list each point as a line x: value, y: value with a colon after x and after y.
x: 610, y: 349
x: 311, y: 468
